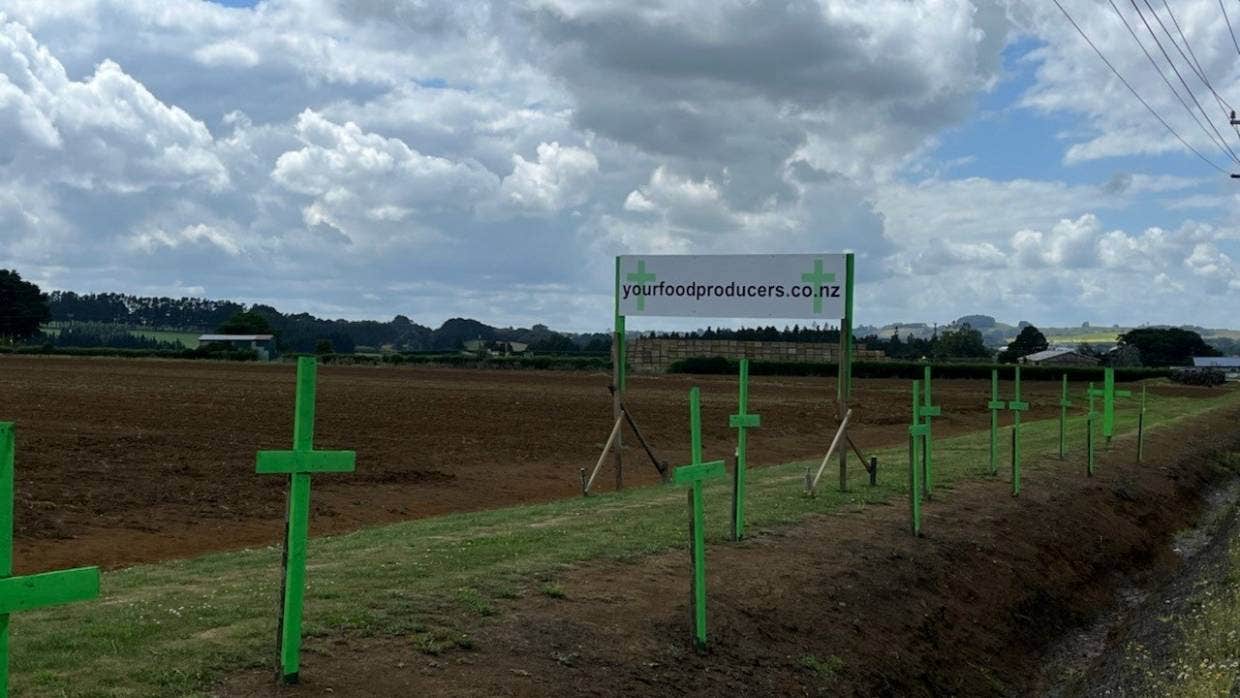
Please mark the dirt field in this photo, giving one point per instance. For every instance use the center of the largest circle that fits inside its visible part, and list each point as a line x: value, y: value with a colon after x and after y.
x: 847, y: 604
x: 123, y: 461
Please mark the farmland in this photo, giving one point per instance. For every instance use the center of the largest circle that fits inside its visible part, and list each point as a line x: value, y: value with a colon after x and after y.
x: 508, y: 580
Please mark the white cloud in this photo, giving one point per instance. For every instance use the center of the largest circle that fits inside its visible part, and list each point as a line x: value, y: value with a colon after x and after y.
x: 559, y: 178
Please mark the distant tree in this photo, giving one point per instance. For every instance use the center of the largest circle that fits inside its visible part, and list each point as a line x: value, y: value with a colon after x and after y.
x: 553, y: 343
x: 23, y: 307
x: 1029, y: 341
x: 963, y: 342
x: 1167, y: 346
x: 324, y: 346
x: 248, y: 322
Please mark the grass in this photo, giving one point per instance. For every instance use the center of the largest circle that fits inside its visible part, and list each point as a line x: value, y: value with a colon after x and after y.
x: 188, y: 339
x: 177, y: 628
x: 1205, y: 659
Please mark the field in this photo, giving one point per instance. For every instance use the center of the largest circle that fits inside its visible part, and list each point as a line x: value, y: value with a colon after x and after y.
x: 187, y: 339
x: 151, y: 463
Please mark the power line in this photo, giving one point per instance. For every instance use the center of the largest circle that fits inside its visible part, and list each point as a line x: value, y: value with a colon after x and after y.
x: 1196, y: 64
x: 1134, y: 91
x: 1176, y: 70
x: 1160, y: 72
x: 1229, y: 30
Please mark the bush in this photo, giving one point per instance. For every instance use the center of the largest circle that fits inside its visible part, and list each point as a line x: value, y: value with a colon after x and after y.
x: 719, y: 365
x: 1198, y: 376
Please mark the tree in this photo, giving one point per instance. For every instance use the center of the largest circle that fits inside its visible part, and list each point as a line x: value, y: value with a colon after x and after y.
x: 324, y: 346
x: 1167, y: 346
x: 962, y: 343
x: 23, y: 307
x: 1029, y: 341
x: 248, y: 322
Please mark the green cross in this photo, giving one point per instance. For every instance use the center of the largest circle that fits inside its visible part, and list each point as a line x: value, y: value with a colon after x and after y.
x: 1108, y: 395
x: 1016, y: 406
x: 1141, y: 427
x: 1064, y: 404
x: 640, y: 277
x: 742, y: 421
x: 693, y: 475
x: 19, y: 594
x: 817, y: 278
x: 925, y: 411
x: 1091, y: 393
x: 917, y: 432
x: 994, y: 406
x: 299, y: 463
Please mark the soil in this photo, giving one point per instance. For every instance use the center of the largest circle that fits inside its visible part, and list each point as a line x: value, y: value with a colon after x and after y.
x: 844, y: 604
x: 128, y: 461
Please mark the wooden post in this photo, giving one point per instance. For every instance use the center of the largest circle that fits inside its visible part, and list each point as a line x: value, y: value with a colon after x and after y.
x: 694, y: 475
x: 298, y: 464
x: 37, y: 590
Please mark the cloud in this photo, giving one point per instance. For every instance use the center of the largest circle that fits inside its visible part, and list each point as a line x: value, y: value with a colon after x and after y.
x: 559, y: 178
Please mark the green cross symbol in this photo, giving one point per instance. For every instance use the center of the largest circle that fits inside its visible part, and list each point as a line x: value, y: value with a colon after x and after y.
x: 817, y: 278
x: 640, y: 277
x: 37, y: 590
x: 1108, y: 395
x: 1016, y: 406
x: 921, y: 415
x: 742, y: 422
x: 918, y: 432
x: 693, y: 475
x: 299, y: 463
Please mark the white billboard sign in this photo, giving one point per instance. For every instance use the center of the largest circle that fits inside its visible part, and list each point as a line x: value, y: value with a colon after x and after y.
x: 736, y: 286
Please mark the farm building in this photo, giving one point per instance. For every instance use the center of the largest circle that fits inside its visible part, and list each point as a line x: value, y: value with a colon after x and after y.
x: 1059, y: 357
x: 497, y: 348
x: 262, y: 344
x: 1229, y: 365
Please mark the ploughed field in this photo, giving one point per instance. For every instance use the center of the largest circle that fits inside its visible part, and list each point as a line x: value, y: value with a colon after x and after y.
x: 127, y: 461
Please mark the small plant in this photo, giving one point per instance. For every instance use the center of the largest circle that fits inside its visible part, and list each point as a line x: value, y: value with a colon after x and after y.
x: 472, y: 600
x: 553, y: 591
x: 826, y: 669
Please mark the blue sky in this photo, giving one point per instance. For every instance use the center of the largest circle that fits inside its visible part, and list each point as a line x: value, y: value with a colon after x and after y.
x: 488, y: 159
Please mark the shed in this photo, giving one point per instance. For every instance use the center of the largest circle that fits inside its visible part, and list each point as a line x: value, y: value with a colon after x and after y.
x: 1059, y: 357
x: 1229, y: 365
x: 262, y: 344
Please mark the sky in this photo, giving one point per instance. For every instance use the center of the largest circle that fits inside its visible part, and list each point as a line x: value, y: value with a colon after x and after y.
x: 489, y: 159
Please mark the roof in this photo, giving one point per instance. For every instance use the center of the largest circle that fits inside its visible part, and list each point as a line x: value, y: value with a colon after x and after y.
x: 1217, y: 361
x: 1048, y: 354
x: 236, y: 337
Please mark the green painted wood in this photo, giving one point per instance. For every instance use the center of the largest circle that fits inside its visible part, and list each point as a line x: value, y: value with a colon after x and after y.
x: 693, y: 475
x: 916, y: 432
x: 27, y: 593
x: 298, y: 464
x: 926, y: 410
x: 1090, y: 419
x: 19, y: 594
x: 289, y: 462
x: 742, y: 421
x: 1016, y: 406
x: 1108, y: 393
x: 1064, y: 404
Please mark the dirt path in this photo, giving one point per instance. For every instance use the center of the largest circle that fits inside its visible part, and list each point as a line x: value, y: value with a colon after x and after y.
x: 128, y: 461
x: 847, y: 604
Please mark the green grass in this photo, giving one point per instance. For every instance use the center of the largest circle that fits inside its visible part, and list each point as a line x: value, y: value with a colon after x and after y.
x: 176, y: 628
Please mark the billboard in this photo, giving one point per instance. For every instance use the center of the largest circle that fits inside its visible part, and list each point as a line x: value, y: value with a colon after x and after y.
x: 810, y: 286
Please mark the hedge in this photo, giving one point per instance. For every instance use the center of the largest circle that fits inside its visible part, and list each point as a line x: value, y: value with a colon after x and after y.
x: 115, y: 352
x: 907, y: 369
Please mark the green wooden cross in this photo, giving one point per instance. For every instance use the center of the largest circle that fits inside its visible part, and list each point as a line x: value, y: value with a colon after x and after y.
x: 1141, y: 427
x: 817, y: 279
x: 917, y: 432
x: 640, y: 277
x: 1016, y: 406
x: 19, y: 594
x: 926, y: 410
x: 299, y: 463
x: 1108, y: 395
x: 994, y: 406
x: 693, y: 475
x: 1090, y: 417
x: 1064, y: 404
x: 742, y: 421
